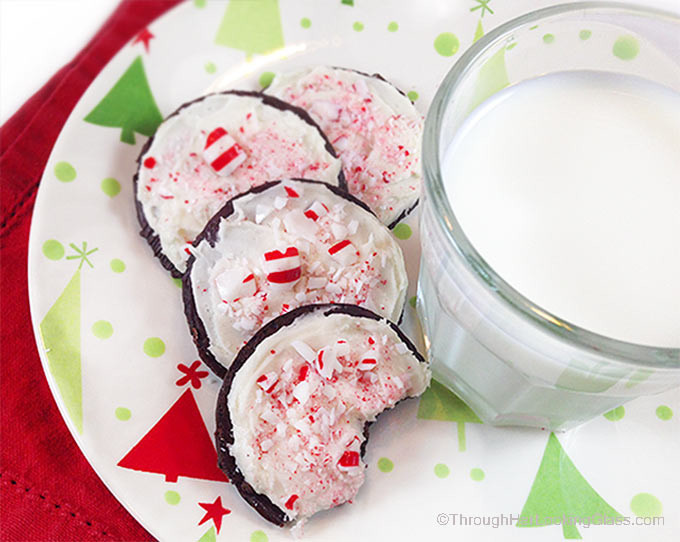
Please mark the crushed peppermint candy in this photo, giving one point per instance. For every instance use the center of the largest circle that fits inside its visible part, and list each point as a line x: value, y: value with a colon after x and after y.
x: 291, y: 260
x: 235, y: 283
x: 283, y: 267
x: 343, y: 252
x: 316, y: 210
x: 301, y: 444
x: 209, y: 152
x: 222, y: 152
x: 306, y: 351
x: 268, y: 381
x: 375, y: 129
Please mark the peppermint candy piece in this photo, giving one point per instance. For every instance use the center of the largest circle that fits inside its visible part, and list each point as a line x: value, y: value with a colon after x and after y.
x: 368, y: 361
x: 236, y: 283
x: 283, y: 267
x: 349, y: 461
x: 327, y: 363
x: 343, y: 252
x: 316, y: 210
x: 268, y: 381
x: 222, y: 152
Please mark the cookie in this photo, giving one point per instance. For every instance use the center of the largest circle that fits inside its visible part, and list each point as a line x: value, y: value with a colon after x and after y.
x: 281, y: 245
x: 294, y: 407
x: 373, y: 126
x: 213, y: 149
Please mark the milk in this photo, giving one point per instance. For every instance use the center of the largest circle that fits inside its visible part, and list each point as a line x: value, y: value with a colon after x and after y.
x: 568, y: 185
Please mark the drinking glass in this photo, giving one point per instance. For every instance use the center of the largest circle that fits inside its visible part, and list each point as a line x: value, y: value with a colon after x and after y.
x: 512, y: 361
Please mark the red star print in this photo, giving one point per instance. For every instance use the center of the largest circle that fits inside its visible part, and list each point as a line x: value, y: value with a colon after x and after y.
x: 214, y: 511
x: 191, y: 374
x: 143, y: 37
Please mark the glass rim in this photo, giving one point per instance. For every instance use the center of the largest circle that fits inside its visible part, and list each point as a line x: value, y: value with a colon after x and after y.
x: 650, y: 356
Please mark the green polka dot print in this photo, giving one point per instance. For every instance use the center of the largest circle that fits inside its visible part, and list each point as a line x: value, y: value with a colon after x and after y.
x: 412, y: 95
x: 305, y: 22
x: 65, y: 172
x: 615, y: 414
x: 385, y: 465
x: 210, y: 67
x: 172, y: 497
x: 402, y: 231
x: 110, y: 187
x: 393, y: 26
x: 102, y: 329
x: 626, y: 47
x: 548, y: 38
x: 53, y: 249
x: 117, y: 266
x: 266, y: 78
x: 441, y: 470
x: 123, y: 414
x: 446, y: 44
x: 259, y: 536
x: 664, y: 413
x: 154, y: 347
x: 585, y: 34
x: 358, y: 26
x: 477, y: 474
x: 646, y: 505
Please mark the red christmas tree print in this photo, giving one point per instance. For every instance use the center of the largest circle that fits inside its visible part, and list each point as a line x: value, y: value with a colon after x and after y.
x: 178, y: 445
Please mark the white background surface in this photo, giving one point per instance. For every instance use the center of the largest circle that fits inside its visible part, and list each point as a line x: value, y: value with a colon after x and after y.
x: 37, y: 37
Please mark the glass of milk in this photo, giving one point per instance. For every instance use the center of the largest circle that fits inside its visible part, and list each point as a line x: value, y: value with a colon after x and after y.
x: 549, y: 287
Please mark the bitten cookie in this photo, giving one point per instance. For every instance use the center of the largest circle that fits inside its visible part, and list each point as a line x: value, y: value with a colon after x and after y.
x: 293, y: 411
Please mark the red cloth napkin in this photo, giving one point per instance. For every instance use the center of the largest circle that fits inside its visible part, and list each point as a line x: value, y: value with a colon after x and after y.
x: 48, y: 491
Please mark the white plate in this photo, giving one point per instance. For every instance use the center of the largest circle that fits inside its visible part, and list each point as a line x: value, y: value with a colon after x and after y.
x: 93, y: 319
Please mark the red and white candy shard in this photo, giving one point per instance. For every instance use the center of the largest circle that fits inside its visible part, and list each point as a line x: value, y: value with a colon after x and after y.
x: 283, y: 268
x: 235, y: 283
x: 375, y: 129
x: 214, y: 149
x: 315, y: 246
x: 299, y: 441
x: 344, y: 252
x: 222, y: 152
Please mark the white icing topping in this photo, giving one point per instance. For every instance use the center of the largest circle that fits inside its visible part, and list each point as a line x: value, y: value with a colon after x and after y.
x: 179, y: 186
x: 300, y: 444
x: 286, y: 257
x: 373, y: 127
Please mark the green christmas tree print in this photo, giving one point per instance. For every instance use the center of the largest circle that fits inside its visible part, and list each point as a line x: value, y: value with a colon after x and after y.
x: 129, y: 105
x: 209, y: 536
x: 590, y: 378
x: 438, y: 403
x: 252, y: 26
x: 560, y: 492
x: 60, y: 332
x: 479, y: 31
x: 493, y: 74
